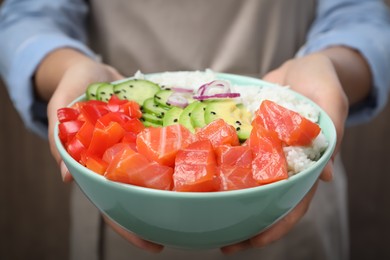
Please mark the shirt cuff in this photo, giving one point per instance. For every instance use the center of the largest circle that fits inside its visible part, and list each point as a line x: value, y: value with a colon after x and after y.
x: 23, y: 67
x: 374, y: 51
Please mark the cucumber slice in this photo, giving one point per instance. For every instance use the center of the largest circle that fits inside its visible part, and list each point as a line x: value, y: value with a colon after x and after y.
x: 149, y: 106
x: 92, y: 89
x: 150, y: 124
x: 136, y: 89
x: 161, y: 98
x: 104, y: 92
x: 152, y: 118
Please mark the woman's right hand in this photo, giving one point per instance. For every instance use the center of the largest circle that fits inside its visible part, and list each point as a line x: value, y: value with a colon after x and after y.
x: 62, y: 77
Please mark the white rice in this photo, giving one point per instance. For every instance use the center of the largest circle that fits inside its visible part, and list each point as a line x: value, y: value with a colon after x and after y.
x: 298, y: 158
x: 182, y: 79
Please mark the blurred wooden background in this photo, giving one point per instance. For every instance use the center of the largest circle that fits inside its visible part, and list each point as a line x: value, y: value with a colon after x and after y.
x: 34, y: 202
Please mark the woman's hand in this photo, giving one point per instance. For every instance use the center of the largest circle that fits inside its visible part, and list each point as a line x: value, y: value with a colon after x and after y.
x: 74, y: 83
x: 323, y: 79
x: 315, y: 77
x: 63, y: 76
x: 133, y: 239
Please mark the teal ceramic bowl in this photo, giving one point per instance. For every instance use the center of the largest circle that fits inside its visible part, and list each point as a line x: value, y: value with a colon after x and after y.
x: 207, y: 220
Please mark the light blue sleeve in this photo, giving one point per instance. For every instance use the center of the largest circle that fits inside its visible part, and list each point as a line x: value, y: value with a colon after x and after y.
x: 29, y: 30
x: 365, y: 26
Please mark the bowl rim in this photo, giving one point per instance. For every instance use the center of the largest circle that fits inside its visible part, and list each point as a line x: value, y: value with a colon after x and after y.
x: 325, y: 157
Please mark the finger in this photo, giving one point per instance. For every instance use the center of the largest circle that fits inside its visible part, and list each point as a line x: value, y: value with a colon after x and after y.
x: 277, y: 76
x: 65, y: 174
x: 115, y: 73
x: 55, y: 103
x: 135, y: 240
x: 274, y: 77
x: 282, y: 227
x: 327, y: 173
x: 231, y: 249
x: 337, y: 111
x: 278, y: 230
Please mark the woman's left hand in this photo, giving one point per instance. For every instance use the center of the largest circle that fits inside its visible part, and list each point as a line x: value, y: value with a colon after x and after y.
x: 315, y: 77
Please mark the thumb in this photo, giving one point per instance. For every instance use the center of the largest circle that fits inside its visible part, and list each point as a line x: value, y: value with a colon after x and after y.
x: 274, y: 77
x: 115, y: 74
x: 277, y: 76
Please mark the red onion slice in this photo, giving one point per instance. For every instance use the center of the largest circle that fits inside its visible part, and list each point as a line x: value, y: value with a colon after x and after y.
x: 181, y: 90
x: 221, y: 86
x: 175, y: 99
x: 201, y: 89
x: 219, y: 95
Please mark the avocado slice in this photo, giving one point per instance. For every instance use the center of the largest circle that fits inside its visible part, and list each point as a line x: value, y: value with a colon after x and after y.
x: 197, y: 114
x: 172, y: 116
x: 234, y: 115
x: 185, y: 117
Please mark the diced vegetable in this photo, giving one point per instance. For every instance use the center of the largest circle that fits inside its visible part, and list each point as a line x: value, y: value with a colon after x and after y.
x: 138, y: 133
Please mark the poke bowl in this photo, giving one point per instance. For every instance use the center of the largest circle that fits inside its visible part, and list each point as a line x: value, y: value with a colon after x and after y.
x: 203, y: 218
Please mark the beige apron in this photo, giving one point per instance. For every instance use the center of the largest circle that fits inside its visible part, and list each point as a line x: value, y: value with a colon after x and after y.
x: 247, y: 37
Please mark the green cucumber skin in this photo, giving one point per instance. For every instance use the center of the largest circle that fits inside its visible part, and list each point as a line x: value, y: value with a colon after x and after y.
x: 150, y: 124
x: 161, y: 98
x: 151, y: 107
x: 91, y: 92
x: 137, y: 90
x: 104, y: 92
x: 152, y: 118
